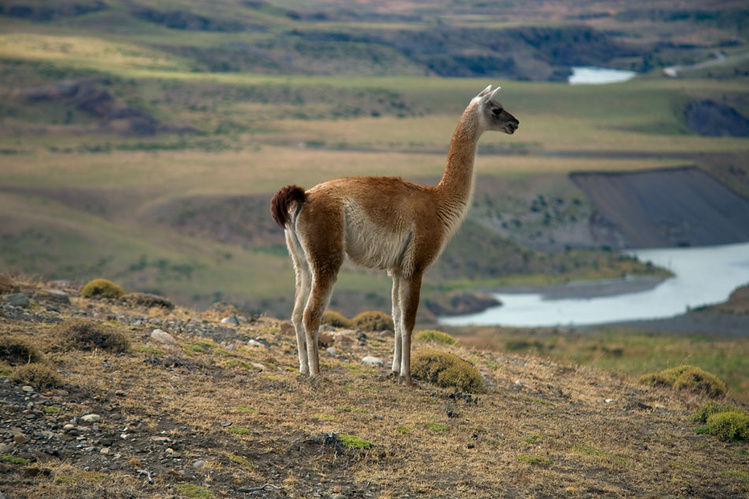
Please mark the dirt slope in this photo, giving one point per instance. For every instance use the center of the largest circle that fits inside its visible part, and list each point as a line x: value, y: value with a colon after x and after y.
x: 223, y: 413
x: 664, y: 208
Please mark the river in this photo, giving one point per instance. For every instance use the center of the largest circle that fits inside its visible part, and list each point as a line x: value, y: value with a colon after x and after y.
x: 598, y: 76
x: 703, y: 276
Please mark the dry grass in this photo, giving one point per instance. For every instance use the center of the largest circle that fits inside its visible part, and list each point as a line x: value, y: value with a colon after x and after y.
x: 87, y: 335
x: 36, y: 375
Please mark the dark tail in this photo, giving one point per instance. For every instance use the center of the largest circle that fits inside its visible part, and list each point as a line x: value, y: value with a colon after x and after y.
x: 279, y: 205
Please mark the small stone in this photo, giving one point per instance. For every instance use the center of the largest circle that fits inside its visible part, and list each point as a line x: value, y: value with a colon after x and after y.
x: 338, y: 496
x: 254, y: 343
x: 331, y: 351
x: 5, y: 448
x: 17, y: 300
x: 91, y: 418
x: 198, y: 464
x: 68, y: 427
x: 259, y: 366
x: 105, y: 450
x: 287, y: 327
x: 470, y: 445
x: 57, y: 296
x: 20, y: 438
x: 163, y: 337
x: 231, y: 346
x: 373, y: 361
x: 232, y: 320
x: 27, y: 388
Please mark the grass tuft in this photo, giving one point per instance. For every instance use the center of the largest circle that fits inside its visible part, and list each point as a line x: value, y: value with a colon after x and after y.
x: 192, y: 491
x: 85, y: 334
x: 690, y: 378
x: 37, y: 375
x: 102, y: 288
x: 373, y: 320
x: 534, y: 459
x: 447, y: 370
x: 336, y: 319
x: 16, y: 351
x: 732, y: 426
x: 710, y: 408
x: 436, y: 336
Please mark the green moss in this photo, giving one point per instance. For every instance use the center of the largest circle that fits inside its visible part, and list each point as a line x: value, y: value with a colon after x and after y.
x: 688, y: 378
x: 51, y: 409
x: 436, y: 426
x: 373, y: 320
x: 403, y: 430
x: 240, y: 461
x: 436, y: 336
x: 195, y: 491
x: 354, y: 442
x: 102, y: 288
x: 240, y: 431
x: 14, y: 460
x: 336, y: 319
x: 446, y: 370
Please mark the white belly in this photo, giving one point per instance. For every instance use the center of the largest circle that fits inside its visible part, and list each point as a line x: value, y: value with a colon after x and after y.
x: 373, y: 246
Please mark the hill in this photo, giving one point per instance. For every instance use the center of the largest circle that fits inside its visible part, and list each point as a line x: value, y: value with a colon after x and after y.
x: 211, y: 409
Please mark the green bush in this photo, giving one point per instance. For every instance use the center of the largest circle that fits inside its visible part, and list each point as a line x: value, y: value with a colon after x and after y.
x: 446, y: 370
x: 336, y: 319
x: 16, y: 351
x: 373, y: 320
x: 102, y: 288
x: 707, y: 410
x: 729, y: 426
x: 85, y: 334
x: 688, y: 378
x: 436, y: 336
x: 36, y: 375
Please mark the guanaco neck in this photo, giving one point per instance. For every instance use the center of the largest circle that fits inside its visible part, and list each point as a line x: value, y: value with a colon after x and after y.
x: 455, y: 189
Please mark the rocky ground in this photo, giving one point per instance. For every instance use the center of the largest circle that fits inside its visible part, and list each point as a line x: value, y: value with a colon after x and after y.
x: 209, y: 404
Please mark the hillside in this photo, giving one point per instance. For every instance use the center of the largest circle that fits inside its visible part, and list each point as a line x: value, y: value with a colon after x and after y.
x: 222, y: 412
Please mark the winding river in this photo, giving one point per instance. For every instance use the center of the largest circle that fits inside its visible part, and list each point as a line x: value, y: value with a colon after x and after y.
x: 703, y: 276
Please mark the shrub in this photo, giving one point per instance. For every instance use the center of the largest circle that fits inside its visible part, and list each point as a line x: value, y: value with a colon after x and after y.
x: 102, y: 288
x: 373, y: 320
x: 86, y: 334
x: 446, y: 370
x: 147, y: 300
x: 436, y: 336
x: 37, y: 375
x: 354, y: 442
x: 16, y: 351
x: 336, y: 319
x: 689, y: 378
x: 707, y: 410
x: 8, y: 284
x: 729, y: 426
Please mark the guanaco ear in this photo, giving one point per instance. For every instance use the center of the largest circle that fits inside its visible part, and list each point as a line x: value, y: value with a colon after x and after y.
x: 485, y: 92
x: 496, y: 90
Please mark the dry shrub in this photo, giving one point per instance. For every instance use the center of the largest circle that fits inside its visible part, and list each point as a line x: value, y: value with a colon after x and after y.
x: 688, y: 378
x: 336, y: 319
x: 86, y: 334
x: 102, y: 288
x: 8, y: 284
x: 447, y: 370
x: 36, y: 375
x: 147, y: 300
x: 435, y: 336
x: 729, y: 426
x: 16, y: 351
x: 373, y: 320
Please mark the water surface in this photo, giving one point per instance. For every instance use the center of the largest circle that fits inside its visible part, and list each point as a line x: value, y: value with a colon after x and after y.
x: 703, y: 276
x: 598, y: 76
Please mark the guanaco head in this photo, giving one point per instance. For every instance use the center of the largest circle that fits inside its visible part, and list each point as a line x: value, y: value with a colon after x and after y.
x: 493, y: 114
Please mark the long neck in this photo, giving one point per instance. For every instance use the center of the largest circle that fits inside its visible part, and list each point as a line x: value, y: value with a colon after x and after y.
x: 456, y: 186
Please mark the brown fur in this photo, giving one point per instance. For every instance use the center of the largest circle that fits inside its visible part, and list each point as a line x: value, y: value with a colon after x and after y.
x: 283, y: 200
x: 380, y: 222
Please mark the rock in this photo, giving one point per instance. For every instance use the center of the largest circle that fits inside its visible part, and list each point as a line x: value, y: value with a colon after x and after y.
x: 231, y: 346
x: 20, y: 438
x: 163, y: 337
x: 331, y: 351
x: 254, y: 343
x: 344, y: 338
x: 5, y: 448
x: 17, y: 300
x: 232, y: 320
x: 91, y: 418
x: 27, y: 388
x: 324, y: 340
x: 259, y: 366
x: 338, y: 496
x: 55, y: 295
x: 373, y: 361
x: 198, y: 464
x: 68, y: 427
x: 287, y: 327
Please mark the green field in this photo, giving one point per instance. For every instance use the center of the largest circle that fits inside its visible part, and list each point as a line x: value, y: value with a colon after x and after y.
x: 85, y: 193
